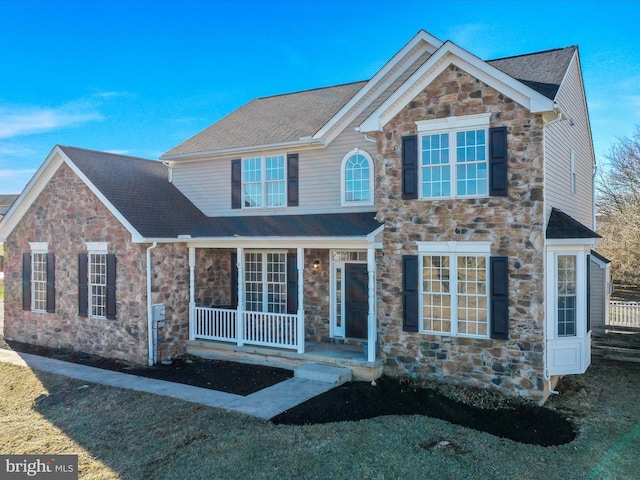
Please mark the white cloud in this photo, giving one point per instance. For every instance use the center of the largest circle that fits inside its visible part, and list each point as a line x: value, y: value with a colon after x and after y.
x: 24, y: 121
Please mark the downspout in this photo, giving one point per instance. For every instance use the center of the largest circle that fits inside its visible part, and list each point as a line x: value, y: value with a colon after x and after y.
x: 545, y: 375
x: 152, y: 346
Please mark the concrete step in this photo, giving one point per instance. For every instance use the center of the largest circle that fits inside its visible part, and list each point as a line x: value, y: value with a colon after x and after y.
x: 323, y: 373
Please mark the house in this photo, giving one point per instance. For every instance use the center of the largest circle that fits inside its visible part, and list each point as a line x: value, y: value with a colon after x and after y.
x: 433, y: 221
x: 5, y: 203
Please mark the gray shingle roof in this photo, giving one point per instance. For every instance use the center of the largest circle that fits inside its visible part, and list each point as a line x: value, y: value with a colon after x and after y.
x: 313, y: 225
x: 541, y: 71
x: 289, y: 117
x: 562, y: 225
x: 269, y: 120
x: 140, y: 191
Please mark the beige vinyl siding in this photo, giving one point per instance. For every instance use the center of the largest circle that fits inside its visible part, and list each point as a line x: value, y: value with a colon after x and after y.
x: 560, y: 138
x: 598, y: 297
x: 207, y: 183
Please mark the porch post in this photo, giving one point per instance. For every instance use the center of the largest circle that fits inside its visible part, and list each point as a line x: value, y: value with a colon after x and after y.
x: 192, y: 293
x: 372, y: 336
x: 241, y: 299
x: 300, y: 265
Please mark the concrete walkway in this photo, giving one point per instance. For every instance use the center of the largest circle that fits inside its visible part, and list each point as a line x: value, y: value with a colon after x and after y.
x: 264, y: 404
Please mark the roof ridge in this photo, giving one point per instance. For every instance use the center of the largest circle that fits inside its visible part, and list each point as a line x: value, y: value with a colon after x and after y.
x: 310, y: 90
x: 101, y: 152
x: 533, y: 53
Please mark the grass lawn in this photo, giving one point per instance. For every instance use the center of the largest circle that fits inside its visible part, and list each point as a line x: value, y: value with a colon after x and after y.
x: 120, y: 434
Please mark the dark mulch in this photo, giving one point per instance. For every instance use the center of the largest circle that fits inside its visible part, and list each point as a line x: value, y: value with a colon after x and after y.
x: 230, y: 377
x: 522, y: 423
x: 352, y: 401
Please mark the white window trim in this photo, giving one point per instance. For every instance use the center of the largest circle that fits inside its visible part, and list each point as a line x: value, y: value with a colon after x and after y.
x: 263, y: 181
x: 343, y: 186
x: 581, y: 252
x: 451, y: 125
x: 95, y: 248
x: 38, y: 248
x: 265, y: 301
x: 453, y: 250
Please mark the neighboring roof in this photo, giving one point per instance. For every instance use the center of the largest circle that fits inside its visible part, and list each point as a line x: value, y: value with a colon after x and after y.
x: 541, y: 71
x: 139, y: 190
x: 270, y: 120
x: 313, y: 225
x: 562, y: 225
x: 602, y: 258
x: 6, y: 201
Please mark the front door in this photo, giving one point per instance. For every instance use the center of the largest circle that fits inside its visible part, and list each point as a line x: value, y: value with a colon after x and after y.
x: 356, y: 302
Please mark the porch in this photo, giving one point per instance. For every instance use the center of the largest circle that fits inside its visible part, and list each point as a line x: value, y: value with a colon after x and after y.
x: 286, y: 305
x: 336, y: 355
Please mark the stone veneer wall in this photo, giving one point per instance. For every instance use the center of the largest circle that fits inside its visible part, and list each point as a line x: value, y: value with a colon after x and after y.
x: 316, y: 296
x: 170, y: 286
x: 66, y: 215
x: 213, y: 277
x: 514, y: 225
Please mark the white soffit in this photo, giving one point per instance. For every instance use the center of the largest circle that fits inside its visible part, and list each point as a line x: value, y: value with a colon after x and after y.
x: 451, y: 54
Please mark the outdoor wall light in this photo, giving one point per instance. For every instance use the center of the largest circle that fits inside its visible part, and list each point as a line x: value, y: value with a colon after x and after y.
x: 316, y: 265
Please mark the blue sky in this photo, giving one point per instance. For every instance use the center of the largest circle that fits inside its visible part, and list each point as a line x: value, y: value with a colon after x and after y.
x: 140, y: 77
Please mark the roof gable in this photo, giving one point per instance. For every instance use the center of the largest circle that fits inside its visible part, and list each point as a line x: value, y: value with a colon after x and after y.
x: 451, y: 54
x: 563, y: 226
x: 137, y: 191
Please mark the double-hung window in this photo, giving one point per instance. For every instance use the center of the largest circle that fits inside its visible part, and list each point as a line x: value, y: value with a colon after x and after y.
x: 266, y: 281
x: 453, y: 156
x: 567, y: 295
x: 264, y: 182
x: 97, y: 284
x: 454, y: 297
x: 39, y: 278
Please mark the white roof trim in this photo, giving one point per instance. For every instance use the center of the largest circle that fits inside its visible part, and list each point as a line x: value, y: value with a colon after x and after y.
x: 298, y: 144
x: 422, y: 38
x: 37, y: 184
x: 449, y: 54
x: 283, y: 242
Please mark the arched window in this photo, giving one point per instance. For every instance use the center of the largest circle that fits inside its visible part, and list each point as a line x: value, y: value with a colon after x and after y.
x: 357, y: 178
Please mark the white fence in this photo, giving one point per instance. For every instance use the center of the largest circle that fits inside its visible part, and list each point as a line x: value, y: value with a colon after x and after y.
x: 253, y: 328
x: 624, y: 314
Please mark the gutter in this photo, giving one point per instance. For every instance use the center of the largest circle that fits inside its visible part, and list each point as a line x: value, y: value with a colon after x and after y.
x: 150, y: 336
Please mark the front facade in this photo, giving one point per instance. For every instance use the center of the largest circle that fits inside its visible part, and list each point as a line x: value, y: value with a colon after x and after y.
x: 435, y: 221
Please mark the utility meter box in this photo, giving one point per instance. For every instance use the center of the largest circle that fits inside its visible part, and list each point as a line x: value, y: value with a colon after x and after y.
x: 158, y: 314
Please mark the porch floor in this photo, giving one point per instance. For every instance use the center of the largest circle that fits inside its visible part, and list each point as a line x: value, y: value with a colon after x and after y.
x: 347, y: 356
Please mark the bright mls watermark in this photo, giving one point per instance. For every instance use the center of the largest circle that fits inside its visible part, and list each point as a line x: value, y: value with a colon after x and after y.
x: 50, y: 467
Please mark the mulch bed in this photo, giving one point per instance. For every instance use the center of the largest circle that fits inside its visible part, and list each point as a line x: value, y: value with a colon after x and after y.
x: 352, y: 401
x: 230, y: 377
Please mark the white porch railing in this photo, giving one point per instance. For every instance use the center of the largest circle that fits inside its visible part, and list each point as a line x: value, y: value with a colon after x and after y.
x: 624, y: 314
x: 258, y: 328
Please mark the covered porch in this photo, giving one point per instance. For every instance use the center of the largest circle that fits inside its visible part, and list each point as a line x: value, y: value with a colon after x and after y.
x: 288, y: 295
x: 282, y: 297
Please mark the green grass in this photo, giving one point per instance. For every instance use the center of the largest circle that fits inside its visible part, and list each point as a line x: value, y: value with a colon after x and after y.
x: 120, y: 434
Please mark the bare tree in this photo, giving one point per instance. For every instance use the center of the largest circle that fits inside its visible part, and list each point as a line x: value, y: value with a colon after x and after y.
x: 618, y: 208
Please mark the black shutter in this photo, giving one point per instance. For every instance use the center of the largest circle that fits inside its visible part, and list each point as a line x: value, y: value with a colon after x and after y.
x: 236, y: 184
x: 111, y: 286
x: 83, y: 287
x: 410, y: 167
x: 499, y: 297
x: 234, y: 279
x: 292, y: 180
x: 292, y: 283
x: 498, y: 159
x: 26, y: 281
x: 51, y: 283
x: 410, y: 293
